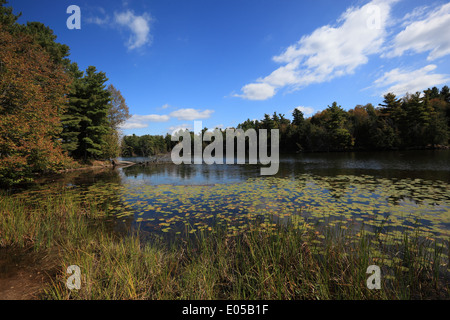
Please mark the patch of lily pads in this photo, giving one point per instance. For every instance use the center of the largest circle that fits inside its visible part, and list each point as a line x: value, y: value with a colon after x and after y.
x: 382, y: 206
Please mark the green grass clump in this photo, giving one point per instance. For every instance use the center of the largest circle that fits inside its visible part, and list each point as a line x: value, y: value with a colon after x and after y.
x: 44, y: 223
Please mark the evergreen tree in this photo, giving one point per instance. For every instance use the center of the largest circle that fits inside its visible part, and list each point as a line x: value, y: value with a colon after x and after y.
x: 71, y: 119
x: 268, y: 123
x: 45, y: 37
x: 298, y: 118
x: 7, y: 18
x: 417, y: 120
x: 86, y: 120
x: 392, y: 107
x: 445, y: 94
x: 338, y: 136
x: 247, y: 124
x: 432, y: 93
x: 296, y: 132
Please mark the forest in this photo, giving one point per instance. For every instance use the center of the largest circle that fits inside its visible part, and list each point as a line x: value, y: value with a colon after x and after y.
x: 415, y: 121
x: 52, y: 114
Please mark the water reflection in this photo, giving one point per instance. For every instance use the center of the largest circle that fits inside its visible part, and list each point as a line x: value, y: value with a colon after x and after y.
x: 350, y: 186
x: 424, y: 164
x: 189, y: 174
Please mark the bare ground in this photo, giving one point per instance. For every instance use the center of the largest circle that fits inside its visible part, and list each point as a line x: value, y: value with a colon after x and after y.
x: 24, y: 273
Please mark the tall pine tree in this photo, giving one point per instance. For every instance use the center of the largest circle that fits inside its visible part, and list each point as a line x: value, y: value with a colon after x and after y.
x: 86, y: 120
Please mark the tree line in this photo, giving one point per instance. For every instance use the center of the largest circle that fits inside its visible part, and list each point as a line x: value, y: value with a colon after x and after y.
x: 415, y: 121
x: 51, y: 112
x: 146, y: 145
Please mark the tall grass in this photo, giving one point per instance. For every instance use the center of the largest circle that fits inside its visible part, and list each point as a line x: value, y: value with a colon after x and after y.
x: 284, y: 262
x: 44, y: 223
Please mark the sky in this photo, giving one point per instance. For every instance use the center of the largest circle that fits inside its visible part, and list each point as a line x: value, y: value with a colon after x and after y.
x: 223, y: 62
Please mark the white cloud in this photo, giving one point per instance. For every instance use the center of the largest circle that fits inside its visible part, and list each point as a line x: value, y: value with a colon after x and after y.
x: 92, y: 16
x: 218, y: 126
x: 154, y: 118
x: 134, y: 125
x: 191, y: 114
x: 172, y: 130
x: 138, y: 25
x: 401, y: 81
x: 142, y: 121
x: 164, y: 107
x: 257, y: 91
x: 418, y: 13
x: 286, y: 75
x: 306, y: 110
x: 427, y: 35
x: 97, y: 20
x: 328, y: 52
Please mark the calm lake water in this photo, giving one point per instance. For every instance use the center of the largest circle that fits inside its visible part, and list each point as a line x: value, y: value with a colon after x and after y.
x: 432, y: 165
x: 392, y: 190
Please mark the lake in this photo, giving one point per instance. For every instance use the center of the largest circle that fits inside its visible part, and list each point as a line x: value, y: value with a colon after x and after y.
x: 385, y: 191
x: 424, y: 164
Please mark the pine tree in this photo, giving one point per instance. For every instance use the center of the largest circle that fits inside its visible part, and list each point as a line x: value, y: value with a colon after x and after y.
x: 391, y: 107
x: 86, y: 120
x: 298, y: 118
x: 45, y: 37
x: 445, y: 94
x: 71, y: 119
x: 7, y: 18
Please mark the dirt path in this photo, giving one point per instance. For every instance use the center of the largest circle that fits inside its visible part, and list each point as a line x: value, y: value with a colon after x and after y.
x: 23, y: 274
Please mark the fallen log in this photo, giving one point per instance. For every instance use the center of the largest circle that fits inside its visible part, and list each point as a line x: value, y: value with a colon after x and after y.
x: 117, y: 163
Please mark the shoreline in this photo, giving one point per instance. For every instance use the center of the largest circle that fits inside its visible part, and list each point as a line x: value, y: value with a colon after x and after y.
x: 165, y: 158
x: 96, y: 165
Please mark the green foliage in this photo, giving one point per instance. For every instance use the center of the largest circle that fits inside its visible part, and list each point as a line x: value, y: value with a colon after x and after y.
x: 7, y: 18
x: 47, y: 101
x: 86, y: 122
x: 415, y: 121
x: 412, y: 122
x: 45, y: 37
x: 145, y: 146
x: 298, y: 118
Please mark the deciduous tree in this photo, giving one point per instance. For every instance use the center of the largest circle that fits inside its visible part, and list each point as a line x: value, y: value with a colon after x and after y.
x: 32, y: 99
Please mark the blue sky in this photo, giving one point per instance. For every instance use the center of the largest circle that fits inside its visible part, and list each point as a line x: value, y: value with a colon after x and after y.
x: 223, y: 62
